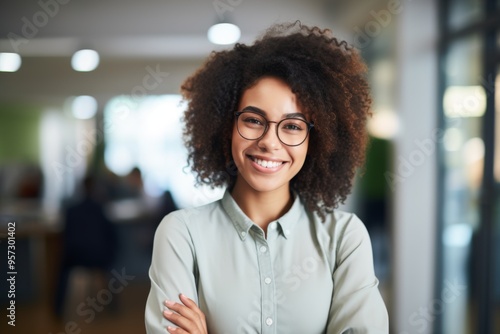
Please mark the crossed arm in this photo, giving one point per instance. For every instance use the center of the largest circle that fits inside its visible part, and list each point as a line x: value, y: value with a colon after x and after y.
x: 187, y: 316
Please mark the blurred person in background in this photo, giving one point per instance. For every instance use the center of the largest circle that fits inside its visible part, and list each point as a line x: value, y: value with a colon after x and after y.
x: 89, y: 240
x: 31, y: 183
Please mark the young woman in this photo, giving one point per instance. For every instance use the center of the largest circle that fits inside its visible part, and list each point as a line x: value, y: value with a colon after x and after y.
x: 273, y: 255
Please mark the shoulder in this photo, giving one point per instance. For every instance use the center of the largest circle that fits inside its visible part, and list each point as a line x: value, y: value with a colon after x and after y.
x: 344, y: 230
x: 339, y: 222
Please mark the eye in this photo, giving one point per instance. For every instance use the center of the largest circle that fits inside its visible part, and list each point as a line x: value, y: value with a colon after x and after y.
x: 252, y: 120
x: 293, y: 125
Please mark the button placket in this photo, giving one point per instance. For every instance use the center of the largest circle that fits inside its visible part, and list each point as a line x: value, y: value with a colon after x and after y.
x: 268, y: 308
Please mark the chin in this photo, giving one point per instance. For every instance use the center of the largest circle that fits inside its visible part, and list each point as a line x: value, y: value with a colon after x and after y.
x: 263, y: 186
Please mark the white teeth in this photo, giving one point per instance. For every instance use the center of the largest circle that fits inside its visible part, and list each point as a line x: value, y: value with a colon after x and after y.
x: 267, y: 164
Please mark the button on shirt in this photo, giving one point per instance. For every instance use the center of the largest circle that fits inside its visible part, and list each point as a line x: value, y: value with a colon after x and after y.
x: 306, y: 276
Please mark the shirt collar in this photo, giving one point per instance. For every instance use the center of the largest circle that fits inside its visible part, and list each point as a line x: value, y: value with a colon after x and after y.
x: 243, y: 224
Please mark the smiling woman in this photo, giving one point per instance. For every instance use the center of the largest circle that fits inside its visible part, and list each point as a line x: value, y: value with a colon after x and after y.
x: 273, y: 255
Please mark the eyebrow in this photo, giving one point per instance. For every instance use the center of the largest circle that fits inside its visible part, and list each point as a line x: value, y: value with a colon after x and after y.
x: 264, y: 114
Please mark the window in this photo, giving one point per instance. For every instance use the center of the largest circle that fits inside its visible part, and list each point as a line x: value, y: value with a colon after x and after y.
x: 147, y: 133
x: 469, y: 266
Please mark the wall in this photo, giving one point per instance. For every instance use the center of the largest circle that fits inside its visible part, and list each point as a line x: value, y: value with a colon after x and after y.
x: 19, y: 133
x: 415, y: 219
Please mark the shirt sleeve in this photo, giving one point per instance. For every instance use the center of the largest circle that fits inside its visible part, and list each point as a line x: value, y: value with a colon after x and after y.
x: 357, y: 306
x: 172, y: 271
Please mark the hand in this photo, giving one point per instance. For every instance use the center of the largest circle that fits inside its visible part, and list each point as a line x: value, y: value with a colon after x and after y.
x: 188, y: 317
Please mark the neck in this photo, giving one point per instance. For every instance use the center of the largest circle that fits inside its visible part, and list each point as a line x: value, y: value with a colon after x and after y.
x: 262, y: 207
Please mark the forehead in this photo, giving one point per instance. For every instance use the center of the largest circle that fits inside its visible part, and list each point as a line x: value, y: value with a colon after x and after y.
x: 271, y: 95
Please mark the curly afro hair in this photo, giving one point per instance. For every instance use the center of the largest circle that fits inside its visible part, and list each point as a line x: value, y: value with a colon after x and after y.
x: 329, y: 79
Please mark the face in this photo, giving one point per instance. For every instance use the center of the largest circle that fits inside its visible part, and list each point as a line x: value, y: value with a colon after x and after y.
x: 267, y: 164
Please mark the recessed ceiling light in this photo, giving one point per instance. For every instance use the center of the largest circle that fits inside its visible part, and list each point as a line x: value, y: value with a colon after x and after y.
x: 9, y: 62
x: 224, y: 33
x: 85, y: 60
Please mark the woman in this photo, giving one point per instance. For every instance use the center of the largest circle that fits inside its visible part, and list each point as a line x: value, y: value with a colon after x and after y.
x: 272, y: 256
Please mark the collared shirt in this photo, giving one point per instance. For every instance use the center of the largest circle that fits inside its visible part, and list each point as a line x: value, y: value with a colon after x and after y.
x: 305, y: 276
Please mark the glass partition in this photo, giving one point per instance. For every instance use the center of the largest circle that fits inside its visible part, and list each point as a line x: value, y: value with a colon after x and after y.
x: 463, y: 12
x: 468, y: 275
x: 462, y: 145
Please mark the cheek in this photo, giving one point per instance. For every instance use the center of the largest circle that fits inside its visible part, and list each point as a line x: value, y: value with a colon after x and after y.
x: 300, y: 158
x: 301, y: 153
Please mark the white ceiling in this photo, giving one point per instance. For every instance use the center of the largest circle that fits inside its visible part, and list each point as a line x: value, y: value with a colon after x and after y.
x: 131, y: 28
x: 131, y: 35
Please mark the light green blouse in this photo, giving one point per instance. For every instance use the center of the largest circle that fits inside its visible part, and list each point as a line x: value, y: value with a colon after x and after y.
x: 307, y: 276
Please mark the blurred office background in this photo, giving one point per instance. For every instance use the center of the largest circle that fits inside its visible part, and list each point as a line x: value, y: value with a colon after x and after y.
x: 429, y: 195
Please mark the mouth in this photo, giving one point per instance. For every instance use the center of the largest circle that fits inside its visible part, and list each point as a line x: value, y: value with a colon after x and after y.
x: 266, y: 163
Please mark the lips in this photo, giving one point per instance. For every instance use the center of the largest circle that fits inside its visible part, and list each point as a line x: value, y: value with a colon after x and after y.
x: 266, y: 163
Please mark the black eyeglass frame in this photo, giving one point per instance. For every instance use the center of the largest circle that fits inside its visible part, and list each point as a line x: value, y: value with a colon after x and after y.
x: 310, y: 125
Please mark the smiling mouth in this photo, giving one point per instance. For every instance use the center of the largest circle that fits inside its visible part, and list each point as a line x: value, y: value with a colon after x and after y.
x: 266, y: 163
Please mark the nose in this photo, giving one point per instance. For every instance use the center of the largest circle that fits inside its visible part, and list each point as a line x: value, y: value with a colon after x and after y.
x: 270, y: 140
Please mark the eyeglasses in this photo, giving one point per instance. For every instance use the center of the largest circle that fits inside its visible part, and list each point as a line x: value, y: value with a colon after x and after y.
x: 290, y: 131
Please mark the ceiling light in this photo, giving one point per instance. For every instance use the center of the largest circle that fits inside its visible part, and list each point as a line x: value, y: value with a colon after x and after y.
x: 84, y: 107
x: 85, y: 60
x: 224, y: 33
x: 9, y: 62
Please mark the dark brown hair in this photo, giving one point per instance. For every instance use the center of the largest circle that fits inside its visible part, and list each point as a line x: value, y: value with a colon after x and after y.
x: 328, y: 78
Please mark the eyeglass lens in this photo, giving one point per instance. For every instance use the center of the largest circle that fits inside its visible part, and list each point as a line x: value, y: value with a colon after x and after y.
x: 291, y: 131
